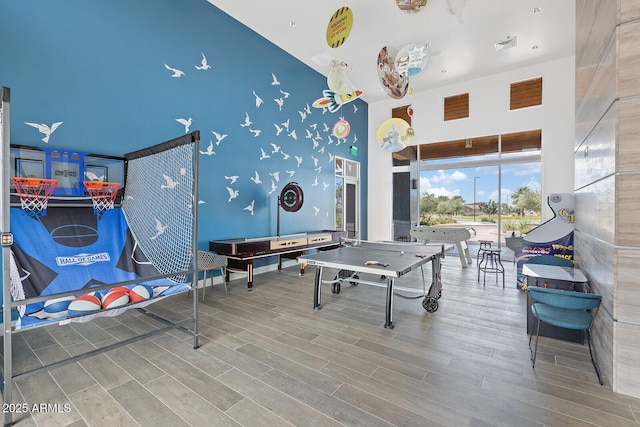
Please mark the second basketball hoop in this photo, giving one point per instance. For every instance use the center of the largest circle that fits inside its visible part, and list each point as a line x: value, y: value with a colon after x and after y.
x: 103, y: 195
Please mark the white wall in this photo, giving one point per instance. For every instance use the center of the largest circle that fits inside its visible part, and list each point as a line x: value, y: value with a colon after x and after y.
x: 488, y: 115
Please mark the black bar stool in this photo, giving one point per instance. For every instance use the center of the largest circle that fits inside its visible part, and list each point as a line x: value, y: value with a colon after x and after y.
x: 490, y: 263
x: 484, y: 244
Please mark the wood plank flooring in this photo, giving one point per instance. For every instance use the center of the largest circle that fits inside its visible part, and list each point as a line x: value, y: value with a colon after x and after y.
x: 267, y: 358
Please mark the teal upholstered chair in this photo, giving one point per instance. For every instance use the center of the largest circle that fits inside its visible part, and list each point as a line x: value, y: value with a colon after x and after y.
x: 565, y: 309
x: 550, y: 260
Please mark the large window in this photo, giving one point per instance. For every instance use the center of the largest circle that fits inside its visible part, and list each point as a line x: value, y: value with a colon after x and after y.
x: 495, y: 200
x: 490, y: 183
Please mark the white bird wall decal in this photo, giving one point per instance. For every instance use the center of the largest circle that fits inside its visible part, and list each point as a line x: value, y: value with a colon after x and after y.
x: 232, y: 194
x: 263, y: 154
x: 45, y: 130
x: 219, y: 137
x: 186, y: 123
x: 209, y: 151
x: 247, y: 121
x: 203, y: 64
x: 256, y: 178
x: 176, y: 72
x: 258, y: 99
x: 250, y: 207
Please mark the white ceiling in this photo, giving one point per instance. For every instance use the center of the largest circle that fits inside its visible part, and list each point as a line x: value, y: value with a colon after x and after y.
x: 464, y: 49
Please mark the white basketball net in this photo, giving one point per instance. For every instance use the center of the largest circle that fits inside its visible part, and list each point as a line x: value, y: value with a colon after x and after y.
x: 158, y: 205
x: 102, y: 194
x: 34, y: 194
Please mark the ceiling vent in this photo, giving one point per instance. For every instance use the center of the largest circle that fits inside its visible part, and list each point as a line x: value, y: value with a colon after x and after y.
x: 509, y: 42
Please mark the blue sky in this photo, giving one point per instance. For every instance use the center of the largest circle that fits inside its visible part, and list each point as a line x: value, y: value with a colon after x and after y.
x: 460, y: 181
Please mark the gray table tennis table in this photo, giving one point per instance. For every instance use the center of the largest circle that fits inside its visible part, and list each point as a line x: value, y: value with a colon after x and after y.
x: 388, y: 261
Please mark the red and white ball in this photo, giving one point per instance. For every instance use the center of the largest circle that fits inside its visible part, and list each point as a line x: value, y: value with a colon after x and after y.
x: 84, y: 304
x: 57, y: 308
x: 114, y: 299
x: 97, y: 295
x: 140, y: 293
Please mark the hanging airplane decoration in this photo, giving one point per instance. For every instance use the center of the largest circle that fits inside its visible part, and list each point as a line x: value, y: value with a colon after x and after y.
x: 341, y: 91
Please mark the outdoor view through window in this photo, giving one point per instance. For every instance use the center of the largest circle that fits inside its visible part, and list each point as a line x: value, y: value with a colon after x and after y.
x: 472, y: 197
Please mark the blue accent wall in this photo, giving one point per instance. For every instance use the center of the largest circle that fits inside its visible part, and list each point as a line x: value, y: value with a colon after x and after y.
x: 99, y: 68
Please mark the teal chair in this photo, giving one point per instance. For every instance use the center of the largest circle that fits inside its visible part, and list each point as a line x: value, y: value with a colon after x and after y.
x: 564, y: 309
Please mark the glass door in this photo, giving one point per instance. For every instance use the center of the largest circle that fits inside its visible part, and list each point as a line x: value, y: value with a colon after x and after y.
x: 347, y: 205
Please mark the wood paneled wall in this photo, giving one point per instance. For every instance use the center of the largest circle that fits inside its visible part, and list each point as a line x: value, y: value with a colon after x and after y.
x: 607, y: 178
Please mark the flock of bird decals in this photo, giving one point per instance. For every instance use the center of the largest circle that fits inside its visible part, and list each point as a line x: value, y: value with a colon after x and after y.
x: 272, y: 145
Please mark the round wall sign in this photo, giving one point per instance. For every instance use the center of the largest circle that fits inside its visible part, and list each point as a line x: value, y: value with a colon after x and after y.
x: 411, y: 59
x: 394, y: 135
x: 341, y: 129
x: 291, y: 197
x: 339, y: 27
x: 395, y: 84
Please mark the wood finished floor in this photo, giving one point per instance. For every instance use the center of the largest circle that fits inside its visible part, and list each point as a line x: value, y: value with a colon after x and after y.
x: 268, y: 359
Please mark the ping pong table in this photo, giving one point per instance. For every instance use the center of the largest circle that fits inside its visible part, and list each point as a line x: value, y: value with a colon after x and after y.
x: 388, y: 260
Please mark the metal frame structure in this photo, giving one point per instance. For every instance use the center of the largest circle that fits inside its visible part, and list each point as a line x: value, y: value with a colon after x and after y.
x: 188, y: 325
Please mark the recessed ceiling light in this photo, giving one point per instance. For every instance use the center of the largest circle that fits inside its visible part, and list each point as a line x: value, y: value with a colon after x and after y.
x: 536, y: 10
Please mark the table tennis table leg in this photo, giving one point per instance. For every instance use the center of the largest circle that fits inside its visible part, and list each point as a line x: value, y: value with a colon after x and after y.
x: 436, y: 277
x: 389, y: 309
x: 316, y: 288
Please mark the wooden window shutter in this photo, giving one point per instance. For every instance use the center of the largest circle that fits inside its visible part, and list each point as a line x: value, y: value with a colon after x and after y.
x: 401, y: 113
x: 456, y: 107
x: 527, y: 93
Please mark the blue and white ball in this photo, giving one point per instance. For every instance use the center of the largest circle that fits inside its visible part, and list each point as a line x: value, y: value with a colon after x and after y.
x: 84, y: 304
x: 57, y: 308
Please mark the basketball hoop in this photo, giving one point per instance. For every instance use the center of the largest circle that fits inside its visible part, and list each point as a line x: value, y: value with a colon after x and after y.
x: 34, y: 194
x: 102, y: 194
